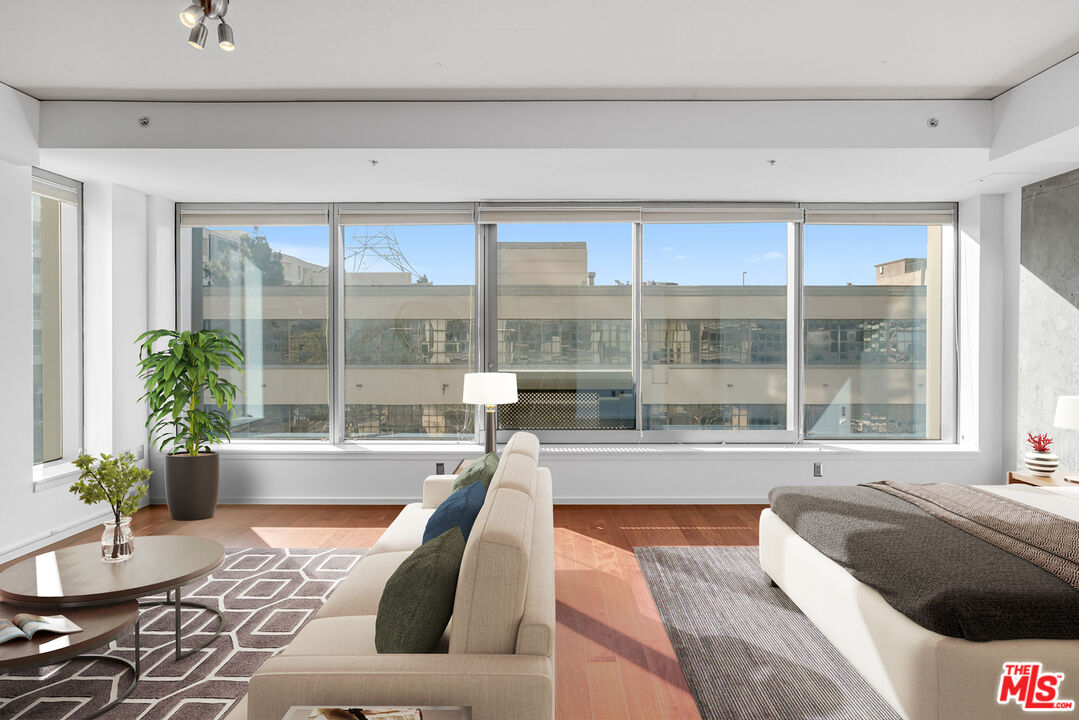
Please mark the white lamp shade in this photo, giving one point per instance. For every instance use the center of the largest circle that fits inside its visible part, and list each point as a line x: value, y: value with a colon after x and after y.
x: 490, y: 388
x: 1067, y: 412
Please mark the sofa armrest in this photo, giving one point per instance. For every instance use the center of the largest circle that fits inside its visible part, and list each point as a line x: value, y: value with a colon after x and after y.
x: 494, y: 686
x: 436, y: 488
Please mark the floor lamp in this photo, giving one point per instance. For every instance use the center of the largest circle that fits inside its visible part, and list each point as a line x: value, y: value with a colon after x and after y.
x: 490, y: 390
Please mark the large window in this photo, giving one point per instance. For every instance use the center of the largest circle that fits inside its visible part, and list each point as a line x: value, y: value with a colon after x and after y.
x: 564, y: 324
x: 715, y: 326
x: 266, y: 277
x: 56, y: 241
x: 873, y: 327
x: 409, y: 327
x: 679, y: 322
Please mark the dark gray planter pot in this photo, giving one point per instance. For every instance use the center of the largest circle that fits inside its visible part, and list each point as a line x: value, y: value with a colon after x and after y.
x: 191, y: 485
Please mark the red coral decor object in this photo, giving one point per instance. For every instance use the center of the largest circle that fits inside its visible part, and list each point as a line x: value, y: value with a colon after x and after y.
x: 1039, y: 460
x: 1040, y: 443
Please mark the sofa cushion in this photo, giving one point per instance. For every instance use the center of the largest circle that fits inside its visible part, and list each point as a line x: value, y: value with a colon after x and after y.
x: 481, y: 470
x: 490, y: 596
x: 459, y: 510
x: 417, y: 602
x: 353, y: 635
x: 405, y: 532
x: 360, y: 592
x: 517, y: 472
x: 523, y: 443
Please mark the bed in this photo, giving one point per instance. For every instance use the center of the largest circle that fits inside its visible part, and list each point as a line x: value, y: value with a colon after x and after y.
x: 924, y: 675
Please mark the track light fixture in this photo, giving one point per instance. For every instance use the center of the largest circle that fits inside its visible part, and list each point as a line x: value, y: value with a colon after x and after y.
x: 195, y: 16
x: 191, y: 15
x: 197, y: 37
x: 224, y: 37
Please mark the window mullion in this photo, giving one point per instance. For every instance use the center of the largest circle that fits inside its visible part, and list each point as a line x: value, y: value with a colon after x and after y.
x: 637, y: 323
x: 795, y: 354
x: 336, y: 330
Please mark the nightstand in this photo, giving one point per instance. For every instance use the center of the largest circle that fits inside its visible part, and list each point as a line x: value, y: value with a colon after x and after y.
x: 1056, y: 480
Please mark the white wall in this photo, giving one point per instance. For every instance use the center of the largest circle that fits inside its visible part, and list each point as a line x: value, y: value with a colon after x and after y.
x: 26, y: 517
x: 115, y: 306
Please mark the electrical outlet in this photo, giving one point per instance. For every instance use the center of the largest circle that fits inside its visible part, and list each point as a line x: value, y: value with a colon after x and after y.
x: 818, y: 470
x: 440, y: 468
x: 140, y: 452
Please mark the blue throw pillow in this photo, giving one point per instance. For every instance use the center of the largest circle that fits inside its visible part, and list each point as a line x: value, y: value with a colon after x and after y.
x: 458, y: 510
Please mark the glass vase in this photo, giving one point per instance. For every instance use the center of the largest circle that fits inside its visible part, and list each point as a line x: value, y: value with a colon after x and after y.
x: 117, y: 542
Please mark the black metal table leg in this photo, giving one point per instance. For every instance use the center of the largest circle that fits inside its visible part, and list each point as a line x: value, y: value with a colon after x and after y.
x: 177, y: 604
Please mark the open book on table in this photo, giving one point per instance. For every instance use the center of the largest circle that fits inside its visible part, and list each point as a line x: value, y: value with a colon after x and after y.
x: 24, y: 626
x: 373, y: 714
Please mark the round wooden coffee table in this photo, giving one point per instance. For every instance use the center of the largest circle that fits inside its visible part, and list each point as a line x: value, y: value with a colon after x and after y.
x: 100, y: 625
x: 76, y: 577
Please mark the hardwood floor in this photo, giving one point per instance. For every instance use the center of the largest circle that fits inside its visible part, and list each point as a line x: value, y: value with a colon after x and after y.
x: 614, y: 660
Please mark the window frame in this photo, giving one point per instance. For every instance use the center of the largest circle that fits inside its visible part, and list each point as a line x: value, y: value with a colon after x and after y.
x: 485, y: 216
x: 70, y: 191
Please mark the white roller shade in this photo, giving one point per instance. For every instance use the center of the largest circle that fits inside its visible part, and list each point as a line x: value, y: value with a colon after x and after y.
x: 913, y: 216
x: 554, y: 214
x: 242, y: 217
x: 56, y: 191
x: 720, y: 214
x: 375, y: 215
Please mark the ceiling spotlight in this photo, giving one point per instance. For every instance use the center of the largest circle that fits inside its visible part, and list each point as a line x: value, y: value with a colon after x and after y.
x: 195, y: 16
x: 224, y: 37
x: 197, y: 38
x: 191, y: 15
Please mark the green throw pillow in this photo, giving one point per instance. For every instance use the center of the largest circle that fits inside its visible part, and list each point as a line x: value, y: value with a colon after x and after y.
x: 417, y: 601
x: 482, y: 470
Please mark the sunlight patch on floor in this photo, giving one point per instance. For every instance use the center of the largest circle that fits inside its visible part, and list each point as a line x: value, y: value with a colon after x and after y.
x: 319, y: 537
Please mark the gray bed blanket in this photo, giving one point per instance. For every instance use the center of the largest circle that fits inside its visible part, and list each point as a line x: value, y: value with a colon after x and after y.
x: 940, y: 576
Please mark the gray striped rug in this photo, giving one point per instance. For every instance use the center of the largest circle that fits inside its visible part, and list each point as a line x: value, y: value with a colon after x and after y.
x: 747, y: 652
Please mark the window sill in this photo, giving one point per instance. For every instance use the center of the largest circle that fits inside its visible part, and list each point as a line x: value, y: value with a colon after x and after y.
x: 418, y: 450
x: 47, y: 477
x: 389, y: 449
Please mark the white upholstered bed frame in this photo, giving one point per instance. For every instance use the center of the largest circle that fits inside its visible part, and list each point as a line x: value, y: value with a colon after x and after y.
x: 923, y: 675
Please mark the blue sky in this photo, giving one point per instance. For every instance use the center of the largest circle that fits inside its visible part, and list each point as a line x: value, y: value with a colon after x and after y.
x: 712, y: 254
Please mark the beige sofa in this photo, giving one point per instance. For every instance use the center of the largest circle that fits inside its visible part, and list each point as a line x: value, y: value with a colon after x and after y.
x: 497, y: 656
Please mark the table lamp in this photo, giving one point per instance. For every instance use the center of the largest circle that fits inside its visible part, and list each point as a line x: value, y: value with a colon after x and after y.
x: 1067, y: 417
x: 490, y: 389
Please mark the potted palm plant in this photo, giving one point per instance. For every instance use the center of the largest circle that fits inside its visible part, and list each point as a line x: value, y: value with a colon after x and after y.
x: 178, y: 377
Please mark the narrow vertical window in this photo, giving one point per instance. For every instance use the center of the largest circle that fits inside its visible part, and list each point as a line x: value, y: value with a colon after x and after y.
x: 55, y: 213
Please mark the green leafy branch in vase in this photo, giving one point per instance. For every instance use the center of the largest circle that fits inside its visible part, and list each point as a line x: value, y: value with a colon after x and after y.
x: 119, y: 481
x: 176, y: 379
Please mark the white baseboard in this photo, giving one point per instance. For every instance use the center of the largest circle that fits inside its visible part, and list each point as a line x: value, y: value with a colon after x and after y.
x: 622, y: 500
x: 55, y: 535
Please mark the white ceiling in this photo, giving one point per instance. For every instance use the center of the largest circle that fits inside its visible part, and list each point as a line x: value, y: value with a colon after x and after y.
x: 537, y: 49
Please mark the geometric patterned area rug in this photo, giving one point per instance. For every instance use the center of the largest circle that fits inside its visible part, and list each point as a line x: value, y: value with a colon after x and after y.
x: 266, y: 595
x: 747, y: 651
